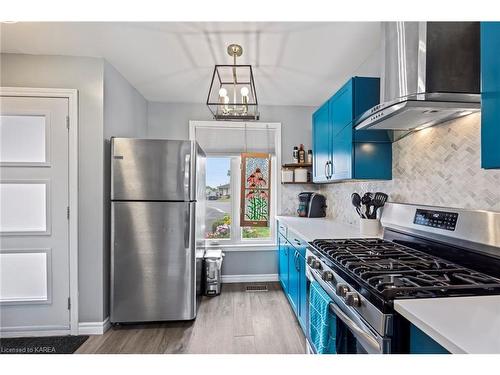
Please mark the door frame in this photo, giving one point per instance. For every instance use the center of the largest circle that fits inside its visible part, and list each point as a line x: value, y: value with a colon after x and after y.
x: 72, y: 96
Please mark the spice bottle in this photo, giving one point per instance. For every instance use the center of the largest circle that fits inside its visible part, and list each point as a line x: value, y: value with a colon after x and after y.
x: 302, y: 154
x: 295, y: 154
x: 309, y: 156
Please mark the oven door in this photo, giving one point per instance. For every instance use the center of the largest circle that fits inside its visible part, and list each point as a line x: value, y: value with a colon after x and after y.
x: 352, y: 334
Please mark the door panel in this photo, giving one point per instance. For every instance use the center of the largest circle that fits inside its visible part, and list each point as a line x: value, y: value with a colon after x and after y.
x: 341, y: 108
x: 283, y: 262
x: 153, y: 261
x: 321, y: 143
x: 302, y: 292
x: 342, y: 154
x: 34, y: 256
x: 293, y: 278
x: 152, y: 169
x: 24, y: 139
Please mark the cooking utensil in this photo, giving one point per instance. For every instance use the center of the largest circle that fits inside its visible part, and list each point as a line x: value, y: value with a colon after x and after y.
x: 366, y: 201
x: 378, y: 201
x: 356, y: 202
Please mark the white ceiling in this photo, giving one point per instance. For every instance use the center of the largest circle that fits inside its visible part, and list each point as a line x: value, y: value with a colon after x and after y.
x: 298, y: 63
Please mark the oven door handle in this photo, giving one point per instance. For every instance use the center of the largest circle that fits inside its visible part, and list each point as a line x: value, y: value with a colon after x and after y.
x: 356, y: 330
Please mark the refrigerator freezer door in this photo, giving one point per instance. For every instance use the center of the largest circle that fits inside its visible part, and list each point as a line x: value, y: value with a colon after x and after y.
x: 153, y: 264
x: 152, y: 169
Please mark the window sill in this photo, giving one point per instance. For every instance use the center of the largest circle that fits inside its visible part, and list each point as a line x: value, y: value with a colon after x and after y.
x: 269, y: 246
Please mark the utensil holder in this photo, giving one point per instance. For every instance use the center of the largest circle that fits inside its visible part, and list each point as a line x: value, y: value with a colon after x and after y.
x: 369, y: 227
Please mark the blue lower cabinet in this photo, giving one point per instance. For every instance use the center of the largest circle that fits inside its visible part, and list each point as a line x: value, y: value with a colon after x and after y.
x: 292, y: 274
x: 420, y: 343
x: 293, y: 279
x: 302, y: 292
x: 283, y: 262
x: 297, y: 285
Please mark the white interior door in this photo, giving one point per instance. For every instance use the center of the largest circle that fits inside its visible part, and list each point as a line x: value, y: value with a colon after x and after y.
x: 34, y: 225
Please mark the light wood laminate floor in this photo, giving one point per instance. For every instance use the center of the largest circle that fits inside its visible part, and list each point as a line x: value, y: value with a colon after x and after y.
x: 236, y: 322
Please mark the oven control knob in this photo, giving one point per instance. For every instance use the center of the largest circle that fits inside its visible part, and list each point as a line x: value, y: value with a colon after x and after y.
x: 352, y: 299
x: 342, y: 290
x: 316, y: 264
x: 310, y: 259
x: 327, y: 276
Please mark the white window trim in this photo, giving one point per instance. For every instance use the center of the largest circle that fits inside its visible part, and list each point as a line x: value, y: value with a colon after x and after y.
x: 235, y: 242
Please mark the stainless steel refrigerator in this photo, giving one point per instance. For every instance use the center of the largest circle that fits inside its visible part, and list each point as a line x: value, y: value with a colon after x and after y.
x: 157, y: 228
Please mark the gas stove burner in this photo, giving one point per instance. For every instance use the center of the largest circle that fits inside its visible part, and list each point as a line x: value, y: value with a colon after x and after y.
x: 396, y: 271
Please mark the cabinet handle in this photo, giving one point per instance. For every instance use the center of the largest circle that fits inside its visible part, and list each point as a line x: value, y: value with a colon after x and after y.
x: 332, y: 169
x: 326, y: 169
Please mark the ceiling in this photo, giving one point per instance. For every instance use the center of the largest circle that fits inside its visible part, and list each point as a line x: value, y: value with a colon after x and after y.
x: 295, y: 63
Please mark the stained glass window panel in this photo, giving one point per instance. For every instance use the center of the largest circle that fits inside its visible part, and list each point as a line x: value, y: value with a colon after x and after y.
x: 255, y: 189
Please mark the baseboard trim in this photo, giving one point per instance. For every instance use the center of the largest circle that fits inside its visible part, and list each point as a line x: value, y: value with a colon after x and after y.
x: 250, y: 278
x: 94, y: 328
x: 35, y: 333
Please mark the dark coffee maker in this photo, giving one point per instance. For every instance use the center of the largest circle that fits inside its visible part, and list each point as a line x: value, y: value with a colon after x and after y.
x: 312, y: 205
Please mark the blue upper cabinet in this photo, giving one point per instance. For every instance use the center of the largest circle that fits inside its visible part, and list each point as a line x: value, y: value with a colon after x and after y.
x: 490, y: 94
x: 341, y: 153
x: 341, y: 107
x: 322, y: 140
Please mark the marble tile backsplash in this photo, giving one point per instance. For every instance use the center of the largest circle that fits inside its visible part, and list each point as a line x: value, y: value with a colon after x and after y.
x: 439, y: 166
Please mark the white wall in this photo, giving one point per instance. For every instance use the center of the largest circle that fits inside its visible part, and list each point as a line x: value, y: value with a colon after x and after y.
x: 108, y: 105
x: 125, y: 115
x: 171, y: 120
x: 125, y: 109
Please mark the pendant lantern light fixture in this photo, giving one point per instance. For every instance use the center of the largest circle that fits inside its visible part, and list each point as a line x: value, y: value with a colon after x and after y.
x: 232, y: 93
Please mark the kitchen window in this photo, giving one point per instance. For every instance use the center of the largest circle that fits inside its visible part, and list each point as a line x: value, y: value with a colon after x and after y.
x: 222, y: 220
x: 223, y: 143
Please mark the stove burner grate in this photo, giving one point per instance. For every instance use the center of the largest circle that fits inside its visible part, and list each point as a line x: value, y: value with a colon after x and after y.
x: 397, y: 271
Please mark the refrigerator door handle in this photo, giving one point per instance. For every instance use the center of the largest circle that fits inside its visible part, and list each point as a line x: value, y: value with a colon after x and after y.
x: 187, y: 176
x: 187, y: 234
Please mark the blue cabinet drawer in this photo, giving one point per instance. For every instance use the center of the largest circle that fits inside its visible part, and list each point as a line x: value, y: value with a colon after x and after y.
x: 282, y: 229
x: 297, y: 242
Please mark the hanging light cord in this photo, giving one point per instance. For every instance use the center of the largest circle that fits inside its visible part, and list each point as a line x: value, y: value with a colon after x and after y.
x: 245, y: 134
x: 267, y: 141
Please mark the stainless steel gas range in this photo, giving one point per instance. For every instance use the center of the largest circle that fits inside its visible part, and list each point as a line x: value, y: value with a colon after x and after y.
x: 426, y: 252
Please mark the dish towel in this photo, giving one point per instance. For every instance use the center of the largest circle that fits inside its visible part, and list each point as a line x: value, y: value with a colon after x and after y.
x: 322, y: 324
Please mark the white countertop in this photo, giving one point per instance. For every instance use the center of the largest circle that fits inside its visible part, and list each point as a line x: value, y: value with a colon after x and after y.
x: 310, y: 229
x: 459, y: 324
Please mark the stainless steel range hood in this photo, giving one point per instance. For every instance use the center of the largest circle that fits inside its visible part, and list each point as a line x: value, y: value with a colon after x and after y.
x: 430, y: 74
